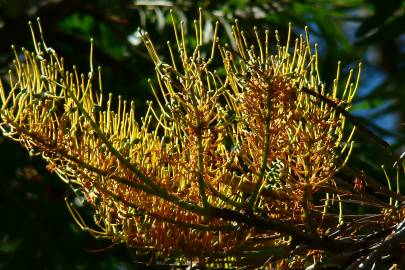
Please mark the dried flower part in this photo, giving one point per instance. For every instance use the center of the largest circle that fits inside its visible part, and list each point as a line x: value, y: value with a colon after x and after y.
x: 257, y: 141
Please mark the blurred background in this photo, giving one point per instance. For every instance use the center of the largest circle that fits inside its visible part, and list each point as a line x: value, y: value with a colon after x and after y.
x: 36, y: 229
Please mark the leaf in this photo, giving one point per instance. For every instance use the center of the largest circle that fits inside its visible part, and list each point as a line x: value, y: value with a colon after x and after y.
x: 383, y: 10
x: 388, y: 31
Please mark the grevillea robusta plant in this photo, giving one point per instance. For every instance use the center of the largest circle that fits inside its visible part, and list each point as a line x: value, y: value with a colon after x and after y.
x: 237, y: 167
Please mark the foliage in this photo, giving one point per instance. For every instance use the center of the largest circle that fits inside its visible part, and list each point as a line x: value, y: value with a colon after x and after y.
x: 244, y: 161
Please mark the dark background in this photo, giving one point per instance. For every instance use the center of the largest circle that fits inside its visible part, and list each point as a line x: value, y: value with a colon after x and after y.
x: 36, y: 229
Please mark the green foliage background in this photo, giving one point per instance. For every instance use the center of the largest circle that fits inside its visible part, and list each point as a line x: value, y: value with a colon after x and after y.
x: 36, y: 231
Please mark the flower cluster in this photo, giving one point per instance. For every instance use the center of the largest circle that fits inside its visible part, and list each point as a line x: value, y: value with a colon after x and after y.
x: 220, y: 162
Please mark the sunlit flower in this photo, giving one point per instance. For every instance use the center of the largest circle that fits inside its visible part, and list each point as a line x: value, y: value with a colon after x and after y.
x: 215, y: 152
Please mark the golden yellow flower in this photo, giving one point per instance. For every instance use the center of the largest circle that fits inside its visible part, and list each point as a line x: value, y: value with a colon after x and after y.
x: 218, y: 163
